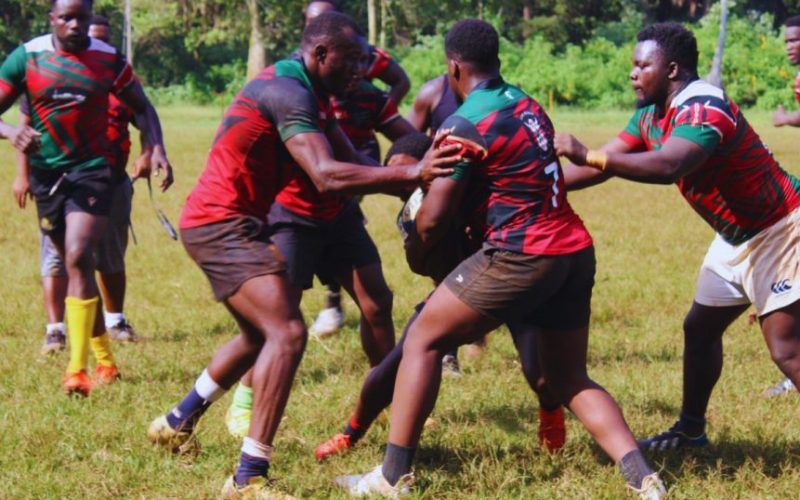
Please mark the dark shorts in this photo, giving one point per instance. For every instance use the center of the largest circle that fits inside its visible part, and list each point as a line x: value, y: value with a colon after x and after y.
x: 231, y: 252
x: 325, y: 248
x: 58, y: 193
x: 552, y: 292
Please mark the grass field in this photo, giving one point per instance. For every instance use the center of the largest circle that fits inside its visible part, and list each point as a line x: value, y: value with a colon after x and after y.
x: 483, y: 444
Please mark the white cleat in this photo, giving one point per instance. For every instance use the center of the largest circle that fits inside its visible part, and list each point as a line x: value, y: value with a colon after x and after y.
x: 373, y: 483
x: 652, y: 488
x: 327, y: 323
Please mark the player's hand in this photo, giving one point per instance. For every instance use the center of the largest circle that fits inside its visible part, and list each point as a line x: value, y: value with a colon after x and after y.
x: 141, y: 167
x: 160, y: 165
x: 26, y: 139
x: 779, y: 116
x: 567, y: 145
x: 21, y: 187
x: 438, y: 160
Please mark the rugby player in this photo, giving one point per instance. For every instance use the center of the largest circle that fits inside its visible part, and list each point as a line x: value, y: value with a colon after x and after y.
x: 436, y: 263
x: 382, y: 67
x: 688, y: 132
x: 67, y: 78
x: 334, y: 243
x: 278, y: 129
x: 111, y: 249
x: 535, y: 265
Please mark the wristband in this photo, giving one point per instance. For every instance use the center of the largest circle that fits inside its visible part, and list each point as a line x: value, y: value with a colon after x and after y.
x: 597, y: 159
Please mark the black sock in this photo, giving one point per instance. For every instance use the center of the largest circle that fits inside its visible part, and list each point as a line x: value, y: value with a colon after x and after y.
x: 692, y: 426
x: 333, y: 300
x: 397, y: 462
x: 354, y: 430
x: 250, y: 467
x: 634, y: 468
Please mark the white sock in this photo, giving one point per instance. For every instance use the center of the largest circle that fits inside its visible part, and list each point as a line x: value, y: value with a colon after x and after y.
x: 208, y: 389
x: 113, y: 319
x: 256, y: 449
x: 54, y: 327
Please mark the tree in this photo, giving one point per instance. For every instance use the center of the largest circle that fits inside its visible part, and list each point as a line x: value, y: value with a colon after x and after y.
x: 715, y: 76
x: 256, y: 53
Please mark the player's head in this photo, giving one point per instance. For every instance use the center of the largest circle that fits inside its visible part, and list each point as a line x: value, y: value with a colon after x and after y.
x: 472, y: 47
x: 408, y: 149
x: 335, y: 51
x: 100, y: 28
x: 665, y: 56
x: 317, y: 7
x: 70, y: 22
x: 791, y: 39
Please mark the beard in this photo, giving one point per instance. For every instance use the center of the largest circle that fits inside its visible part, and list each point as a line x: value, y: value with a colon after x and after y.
x: 643, y: 103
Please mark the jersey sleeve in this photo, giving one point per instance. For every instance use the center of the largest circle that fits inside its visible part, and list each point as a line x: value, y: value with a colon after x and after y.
x: 292, y: 108
x: 705, y: 121
x: 631, y: 134
x: 473, y: 145
x: 124, y: 74
x: 12, y: 72
x: 24, y: 105
x: 379, y: 60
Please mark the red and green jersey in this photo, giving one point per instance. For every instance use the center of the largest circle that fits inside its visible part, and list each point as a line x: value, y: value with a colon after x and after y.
x: 363, y: 112
x: 516, y: 194
x: 248, y: 163
x: 740, y: 189
x: 68, y: 95
x: 797, y: 87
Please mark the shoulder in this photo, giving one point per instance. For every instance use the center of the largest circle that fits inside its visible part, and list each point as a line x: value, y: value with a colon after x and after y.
x: 100, y: 46
x: 464, y: 132
x: 431, y: 91
x: 43, y: 43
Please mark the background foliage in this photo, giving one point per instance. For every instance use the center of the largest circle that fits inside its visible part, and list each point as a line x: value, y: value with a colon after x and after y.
x: 570, y: 52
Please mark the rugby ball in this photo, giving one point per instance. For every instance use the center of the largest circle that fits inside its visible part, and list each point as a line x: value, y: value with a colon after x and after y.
x: 407, y: 216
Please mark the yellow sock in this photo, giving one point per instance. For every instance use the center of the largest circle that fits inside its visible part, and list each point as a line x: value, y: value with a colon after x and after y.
x: 102, y: 350
x: 80, y: 325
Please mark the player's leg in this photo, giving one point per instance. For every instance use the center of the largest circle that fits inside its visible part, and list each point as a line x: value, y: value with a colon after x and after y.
x: 375, y: 396
x: 781, y: 329
x: 54, y: 288
x: 111, y: 264
x: 552, y: 430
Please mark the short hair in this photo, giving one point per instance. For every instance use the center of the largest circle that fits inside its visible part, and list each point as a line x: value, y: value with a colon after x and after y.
x: 330, y: 26
x: 676, y: 42
x: 474, y: 42
x: 53, y: 3
x: 98, y: 20
x: 792, y: 22
x: 415, y: 144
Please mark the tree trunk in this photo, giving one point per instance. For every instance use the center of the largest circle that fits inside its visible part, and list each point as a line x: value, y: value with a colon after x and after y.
x: 128, y: 32
x: 372, y: 21
x: 384, y: 23
x: 715, y: 76
x: 256, y: 54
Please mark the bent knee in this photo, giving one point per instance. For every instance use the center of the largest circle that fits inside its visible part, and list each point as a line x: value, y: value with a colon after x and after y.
x: 378, y: 305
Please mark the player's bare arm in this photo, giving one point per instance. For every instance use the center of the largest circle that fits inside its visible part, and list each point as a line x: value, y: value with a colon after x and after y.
x: 576, y: 177
x: 21, y: 185
x: 676, y: 158
x: 438, y: 210
x: 150, y: 128
x: 427, y: 98
x: 397, y: 128
x: 23, y: 137
x: 397, y: 79
x: 313, y: 152
x: 343, y: 149
x: 782, y: 117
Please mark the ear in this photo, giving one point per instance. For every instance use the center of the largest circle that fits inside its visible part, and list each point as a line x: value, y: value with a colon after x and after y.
x: 672, y: 70
x: 456, y: 69
x: 320, y: 53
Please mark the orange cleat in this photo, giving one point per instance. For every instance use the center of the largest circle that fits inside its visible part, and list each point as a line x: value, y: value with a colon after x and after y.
x: 77, y: 383
x: 552, y: 433
x: 337, y: 444
x: 104, y: 375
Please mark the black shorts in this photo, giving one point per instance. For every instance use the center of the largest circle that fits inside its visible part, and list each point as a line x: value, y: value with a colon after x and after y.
x: 553, y: 292
x: 231, y: 252
x: 58, y: 193
x: 324, y: 248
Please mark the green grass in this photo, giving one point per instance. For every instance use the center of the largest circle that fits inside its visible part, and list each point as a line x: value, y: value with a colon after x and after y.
x: 649, y: 246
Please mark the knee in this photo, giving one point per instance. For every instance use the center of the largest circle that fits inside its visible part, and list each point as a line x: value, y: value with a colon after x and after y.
x: 566, y: 386
x: 79, y: 257
x: 378, y: 305
x: 784, y: 355
x: 292, y: 340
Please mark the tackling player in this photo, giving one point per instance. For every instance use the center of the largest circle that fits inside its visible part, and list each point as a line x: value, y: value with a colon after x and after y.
x: 536, y: 265
x: 688, y: 132
x: 67, y: 78
x: 279, y: 127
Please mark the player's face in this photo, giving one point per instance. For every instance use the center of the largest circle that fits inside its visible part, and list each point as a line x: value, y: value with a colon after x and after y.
x: 792, y: 40
x: 344, y: 65
x: 316, y: 8
x: 70, y: 22
x: 650, y: 74
x: 101, y: 32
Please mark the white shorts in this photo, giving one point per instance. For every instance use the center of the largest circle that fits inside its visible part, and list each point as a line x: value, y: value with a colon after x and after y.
x: 763, y: 271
